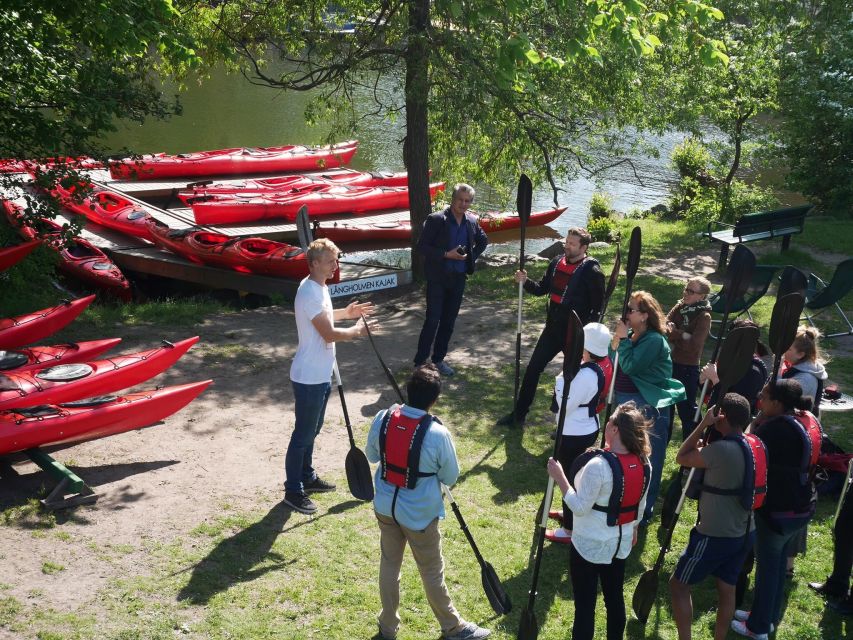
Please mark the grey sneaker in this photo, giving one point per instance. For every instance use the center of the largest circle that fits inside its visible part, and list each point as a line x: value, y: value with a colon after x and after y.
x: 445, y: 370
x: 300, y: 502
x: 469, y: 631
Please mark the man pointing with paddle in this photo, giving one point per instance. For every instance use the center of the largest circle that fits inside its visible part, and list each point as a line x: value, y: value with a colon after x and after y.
x: 416, y: 457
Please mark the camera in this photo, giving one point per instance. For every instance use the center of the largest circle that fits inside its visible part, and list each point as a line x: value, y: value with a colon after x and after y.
x: 461, y: 250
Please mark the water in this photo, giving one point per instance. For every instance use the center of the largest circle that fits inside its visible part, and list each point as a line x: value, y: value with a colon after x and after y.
x: 228, y: 111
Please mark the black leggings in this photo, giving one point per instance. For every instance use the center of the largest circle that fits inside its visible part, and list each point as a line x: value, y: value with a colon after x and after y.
x: 585, y: 576
x: 570, y: 448
x: 842, y: 560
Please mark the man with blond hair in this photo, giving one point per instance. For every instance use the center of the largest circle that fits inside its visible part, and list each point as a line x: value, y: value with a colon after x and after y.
x: 311, y: 369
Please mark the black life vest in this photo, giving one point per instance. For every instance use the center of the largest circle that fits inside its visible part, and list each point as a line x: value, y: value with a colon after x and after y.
x: 597, y: 402
x: 791, y: 371
x: 631, y: 476
x: 400, y: 442
x: 753, y: 491
x: 592, y: 405
x: 810, y: 431
x: 566, y: 277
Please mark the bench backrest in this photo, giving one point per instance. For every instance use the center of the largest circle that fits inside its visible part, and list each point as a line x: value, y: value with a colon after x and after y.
x: 768, y: 221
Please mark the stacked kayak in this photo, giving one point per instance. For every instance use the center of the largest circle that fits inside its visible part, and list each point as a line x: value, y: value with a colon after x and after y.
x: 19, y: 360
x: 29, y: 327
x: 108, y: 209
x: 24, y: 428
x: 321, y: 199
x: 352, y: 231
x: 348, y: 177
x: 247, y: 255
x: 240, y: 161
x: 78, y: 257
x: 66, y: 382
x: 10, y: 256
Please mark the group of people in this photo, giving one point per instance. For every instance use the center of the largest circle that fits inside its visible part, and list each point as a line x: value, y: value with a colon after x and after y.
x: 755, y: 486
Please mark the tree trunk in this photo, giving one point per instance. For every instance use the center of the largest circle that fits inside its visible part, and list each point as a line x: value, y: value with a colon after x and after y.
x: 416, y: 144
x: 738, y: 140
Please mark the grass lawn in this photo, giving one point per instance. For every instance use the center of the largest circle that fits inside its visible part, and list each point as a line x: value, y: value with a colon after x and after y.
x: 248, y: 571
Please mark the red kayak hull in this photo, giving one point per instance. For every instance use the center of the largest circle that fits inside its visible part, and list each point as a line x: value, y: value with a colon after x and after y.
x: 354, y: 231
x: 108, y: 209
x: 58, y: 424
x: 50, y: 356
x: 240, y: 161
x: 78, y: 258
x: 29, y: 327
x: 18, y: 390
x: 12, y: 255
x: 347, y: 177
x: 320, y: 200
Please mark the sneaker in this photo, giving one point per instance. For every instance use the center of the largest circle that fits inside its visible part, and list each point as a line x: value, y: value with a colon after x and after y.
x: 827, y: 589
x: 743, y: 616
x: 318, y: 485
x: 556, y: 514
x: 444, y: 368
x: 559, y: 535
x: 510, y: 420
x: 739, y: 626
x: 300, y: 502
x: 469, y: 631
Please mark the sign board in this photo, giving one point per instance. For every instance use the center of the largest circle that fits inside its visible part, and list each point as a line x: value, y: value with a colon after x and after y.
x: 363, y: 285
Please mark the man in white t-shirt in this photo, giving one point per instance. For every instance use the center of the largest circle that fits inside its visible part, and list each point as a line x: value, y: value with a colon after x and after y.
x: 311, y: 369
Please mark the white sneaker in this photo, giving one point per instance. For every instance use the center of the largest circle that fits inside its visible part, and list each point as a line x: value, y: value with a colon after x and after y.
x: 743, y: 616
x: 740, y: 627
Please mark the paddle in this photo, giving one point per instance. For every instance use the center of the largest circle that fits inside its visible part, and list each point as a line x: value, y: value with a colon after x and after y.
x: 523, y: 203
x: 303, y: 228
x: 792, y: 280
x: 495, y: 592
x: 784, y: 322
x: 635, y: 246
x: 356, y: 465
x: 735, y: 284
x: 734, y: 361
x: 611, y: 283
x: 528, y: 626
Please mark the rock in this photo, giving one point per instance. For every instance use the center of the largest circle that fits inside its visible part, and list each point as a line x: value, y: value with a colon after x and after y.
x: 599, y: 245
x: 556, y: 249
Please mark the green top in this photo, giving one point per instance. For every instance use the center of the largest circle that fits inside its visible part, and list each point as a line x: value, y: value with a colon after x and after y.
x: 649, y: 365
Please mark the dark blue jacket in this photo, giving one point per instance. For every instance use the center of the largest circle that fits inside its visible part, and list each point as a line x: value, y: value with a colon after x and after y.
x: 435, y: 240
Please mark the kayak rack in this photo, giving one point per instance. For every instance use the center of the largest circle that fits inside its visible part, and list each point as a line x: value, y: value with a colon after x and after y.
x: 70, y: 490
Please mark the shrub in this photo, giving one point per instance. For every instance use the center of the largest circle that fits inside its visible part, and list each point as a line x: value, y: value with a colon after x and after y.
x: 600, y: 205
x: 601, y: 229
x: 740, y: 198
x: 691, y: 158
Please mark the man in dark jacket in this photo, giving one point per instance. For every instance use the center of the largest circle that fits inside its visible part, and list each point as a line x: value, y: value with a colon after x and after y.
x: 451, y: 242
x: 573, y: 282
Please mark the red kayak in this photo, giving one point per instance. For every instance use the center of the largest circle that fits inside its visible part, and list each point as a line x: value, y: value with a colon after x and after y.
x: 234, y: 161
x: 36, y: 357
x: 352, y: 231
x: 348, y: 177
x: 78, y: 258
x: 248, y: 255
x: 321, y: 199
x: 108, y: 209
x: 54, y: 424
x: 30, y: 327
x: 12, y: 255
x: 65, y: 382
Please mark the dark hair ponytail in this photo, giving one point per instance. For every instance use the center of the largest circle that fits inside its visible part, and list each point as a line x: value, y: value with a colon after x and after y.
x: 790, y: 394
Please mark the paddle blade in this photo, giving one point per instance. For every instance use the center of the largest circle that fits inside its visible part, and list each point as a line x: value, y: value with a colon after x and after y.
x: 524, y: 199
x: 738, y: 275
x: 668, y: 517
x: 736, y: 356
x: 572, y: 350
x: 784, y: 322
x: 645, y: 595
x: 635, y: 247
x: 495, y: 591
x: 358, y: 475
x: 611, y: 283
x: 528, y: 627
x: 303, y: 228
x: 792, y: 280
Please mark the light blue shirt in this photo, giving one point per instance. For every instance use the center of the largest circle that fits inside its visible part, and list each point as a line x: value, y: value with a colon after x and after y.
x: 416, y: 508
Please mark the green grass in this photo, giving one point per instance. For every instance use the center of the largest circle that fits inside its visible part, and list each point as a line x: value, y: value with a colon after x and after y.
x: 253, y: 569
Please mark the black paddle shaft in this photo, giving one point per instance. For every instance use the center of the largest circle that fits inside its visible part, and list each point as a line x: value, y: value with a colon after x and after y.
x: 523, y: 204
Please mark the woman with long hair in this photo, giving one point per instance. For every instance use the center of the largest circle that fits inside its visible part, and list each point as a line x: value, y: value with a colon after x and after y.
x: 804, y: 362
x: 645, y: 377
x: 603, y: 539
x: 790, y: 434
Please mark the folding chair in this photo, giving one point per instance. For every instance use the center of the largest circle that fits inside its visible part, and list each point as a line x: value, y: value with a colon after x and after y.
x: 762, y: 276
x: 820, y: 295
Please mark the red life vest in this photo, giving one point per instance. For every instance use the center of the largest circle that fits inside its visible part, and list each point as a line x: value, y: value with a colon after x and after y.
x: 607, y: 369
x: 560, y: 280
x: 631, y: 476
x: 809, y: 428
x: 400, y: 442
x: 753, y: 491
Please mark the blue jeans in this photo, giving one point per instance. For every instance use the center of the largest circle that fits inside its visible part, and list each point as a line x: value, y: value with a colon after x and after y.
x: 771, y: 558
x: 658, y: 438
x: 310, y: 410
x: 688, y: 375
x: 443, y: 299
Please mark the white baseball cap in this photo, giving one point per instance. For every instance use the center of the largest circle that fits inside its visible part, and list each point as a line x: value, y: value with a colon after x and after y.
x: 596, y: 338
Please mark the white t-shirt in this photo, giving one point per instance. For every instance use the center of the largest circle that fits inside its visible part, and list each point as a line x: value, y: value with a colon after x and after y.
x: 315, y: 358
x: 584, y: 386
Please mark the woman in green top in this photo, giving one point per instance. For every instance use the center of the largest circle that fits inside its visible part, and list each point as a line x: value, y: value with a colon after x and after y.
x: 645, y: 376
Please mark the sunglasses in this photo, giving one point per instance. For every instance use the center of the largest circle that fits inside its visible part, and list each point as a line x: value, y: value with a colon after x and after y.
x: 689, y: 290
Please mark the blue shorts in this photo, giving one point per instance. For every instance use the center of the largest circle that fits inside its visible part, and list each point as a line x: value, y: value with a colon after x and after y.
x: 709, y: 555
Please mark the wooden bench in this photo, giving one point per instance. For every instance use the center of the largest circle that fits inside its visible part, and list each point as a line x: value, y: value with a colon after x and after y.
x: 765, y: 225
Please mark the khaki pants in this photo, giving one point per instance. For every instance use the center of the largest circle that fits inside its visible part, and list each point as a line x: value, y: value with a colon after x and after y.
x: 426, y: 549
